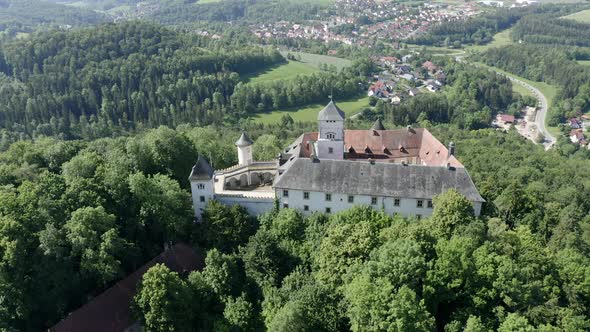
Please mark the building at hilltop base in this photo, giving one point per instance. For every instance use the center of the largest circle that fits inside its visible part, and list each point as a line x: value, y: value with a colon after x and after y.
x: 398, y: 171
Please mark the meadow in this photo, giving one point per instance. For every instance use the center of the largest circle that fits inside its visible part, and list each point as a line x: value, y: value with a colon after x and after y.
x: 583, y: 16
x: 310, y: 112
x: 306, y: 64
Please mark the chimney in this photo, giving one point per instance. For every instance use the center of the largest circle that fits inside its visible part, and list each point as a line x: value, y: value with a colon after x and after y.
x: 451, y: 150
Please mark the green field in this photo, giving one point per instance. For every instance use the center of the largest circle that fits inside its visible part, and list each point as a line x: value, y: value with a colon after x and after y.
x: 522, y: 90
x: 583, y: 16
x: 584, y: 62
x: 310, y: 113
x: 308, y: 64
x: 284, y: 71
x: 502, y: 38
x: 316, y: 60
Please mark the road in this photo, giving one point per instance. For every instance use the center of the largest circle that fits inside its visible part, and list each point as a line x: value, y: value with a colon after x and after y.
x: 542, y: 108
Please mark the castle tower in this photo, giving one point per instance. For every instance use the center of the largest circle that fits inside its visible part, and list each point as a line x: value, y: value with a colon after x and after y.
x: 244, y: 144
x: 202, y: 190
x: 330, y: 144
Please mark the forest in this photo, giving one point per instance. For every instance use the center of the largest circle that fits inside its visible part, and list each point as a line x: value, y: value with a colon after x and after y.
x: 28, y: 15
x: 523, y: 267
x: 538, y: 29
x: 84, y: 214
x: 117, y: 78
x: 480, y: 29
x: 238, y: 11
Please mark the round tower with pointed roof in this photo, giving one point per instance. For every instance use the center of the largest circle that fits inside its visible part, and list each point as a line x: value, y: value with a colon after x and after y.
x: 330, y: 144
x: 244, y: 145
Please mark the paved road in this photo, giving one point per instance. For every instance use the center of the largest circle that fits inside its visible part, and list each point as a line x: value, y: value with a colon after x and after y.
x: 541, y: 116
x: 542, y: 108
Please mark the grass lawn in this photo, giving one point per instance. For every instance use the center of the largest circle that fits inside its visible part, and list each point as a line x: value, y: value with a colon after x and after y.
x: 310, y: 112
x: 583, y: 16
x: 522, y: 90
x: 316, y: 60
x: 309, y: 63
x: 500, y: 39
x: 584, y: 62
x: 284, y: 71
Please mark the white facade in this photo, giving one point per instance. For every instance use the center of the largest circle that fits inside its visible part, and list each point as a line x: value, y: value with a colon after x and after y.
x: 245, y: 155
x: 330, y: 144
x: 202, y: 192
x: 312, y: 201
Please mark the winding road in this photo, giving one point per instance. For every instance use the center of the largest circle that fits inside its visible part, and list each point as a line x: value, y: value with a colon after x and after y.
x: 542, y: 106
x: 541, y: 111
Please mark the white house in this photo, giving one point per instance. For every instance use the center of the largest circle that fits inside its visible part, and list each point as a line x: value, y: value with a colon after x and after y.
x: 397, y: 171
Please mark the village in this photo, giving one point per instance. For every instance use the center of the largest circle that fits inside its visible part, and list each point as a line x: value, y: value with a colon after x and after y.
x: 576, y: 127
x: 363, y: 22
x: 401, y: 80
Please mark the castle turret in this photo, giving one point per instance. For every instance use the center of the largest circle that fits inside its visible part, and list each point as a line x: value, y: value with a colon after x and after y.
x: 330, y: 144
x: 244, y: 144
x: 202, y: 190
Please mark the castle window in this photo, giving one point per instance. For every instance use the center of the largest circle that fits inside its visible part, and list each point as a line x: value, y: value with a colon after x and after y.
x: 285, y: 205
x: 330, y: 136
x: 350, y: 199
x: 201, y: 186
x: 328, y: 210
x: 418, y: 216
x: 328, y: 197
x: 429, y: 204
x: 202, y: 199
x: 420, y: 203
x: 306, y: 208
x: 285, y: 193
x: 396, y: 202
x: 305, y: 195
x: 330, y: 150
x: 373, y: 200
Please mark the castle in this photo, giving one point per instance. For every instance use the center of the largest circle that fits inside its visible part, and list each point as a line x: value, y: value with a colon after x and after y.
x: 398, y: 171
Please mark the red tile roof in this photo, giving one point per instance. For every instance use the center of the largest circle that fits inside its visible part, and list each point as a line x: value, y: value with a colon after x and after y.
x: 388, y: 145
x: 110, y: 311
x: 507, y: 118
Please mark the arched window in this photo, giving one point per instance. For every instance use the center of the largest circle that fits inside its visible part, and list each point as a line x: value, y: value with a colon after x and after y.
x: 330, y: 136
x: 201, y: 186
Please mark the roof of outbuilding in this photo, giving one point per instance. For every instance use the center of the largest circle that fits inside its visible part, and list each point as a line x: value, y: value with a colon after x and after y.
x: 244, y: 140
x: 378, y: 125
x: 201, y: 170
x: 378, y: 179
x: 110, y: 311
x: 331, y: 112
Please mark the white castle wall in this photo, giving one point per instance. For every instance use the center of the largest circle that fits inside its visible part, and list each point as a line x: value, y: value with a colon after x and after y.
x: 317, y: 203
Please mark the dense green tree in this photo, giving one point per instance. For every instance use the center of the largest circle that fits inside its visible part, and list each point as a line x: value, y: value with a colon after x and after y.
x: 165, y: 211
x: 163, y: 301
x: 226, y: 227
